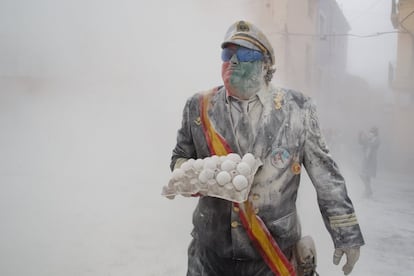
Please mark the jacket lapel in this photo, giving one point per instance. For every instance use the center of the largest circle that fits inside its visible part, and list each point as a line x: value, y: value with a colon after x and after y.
x: 268, y: 130
x: 271, y: 124
x: 219, y: 114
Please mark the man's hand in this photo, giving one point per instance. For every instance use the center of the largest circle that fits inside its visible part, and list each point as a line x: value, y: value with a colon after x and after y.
x: 352, y: 256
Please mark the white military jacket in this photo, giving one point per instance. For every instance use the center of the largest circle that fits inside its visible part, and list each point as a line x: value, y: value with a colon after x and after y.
x: 287, y: 137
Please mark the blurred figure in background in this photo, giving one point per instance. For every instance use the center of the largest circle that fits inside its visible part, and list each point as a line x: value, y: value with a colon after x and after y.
x: 370, y: 143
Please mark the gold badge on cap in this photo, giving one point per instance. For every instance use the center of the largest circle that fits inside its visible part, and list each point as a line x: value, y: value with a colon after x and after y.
x: 242, y: 27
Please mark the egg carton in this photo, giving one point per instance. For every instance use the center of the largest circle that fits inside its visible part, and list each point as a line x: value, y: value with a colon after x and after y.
x: 227, y: 177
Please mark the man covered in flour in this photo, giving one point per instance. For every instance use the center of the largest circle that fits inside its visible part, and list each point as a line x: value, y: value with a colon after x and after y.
x: 261, y: 236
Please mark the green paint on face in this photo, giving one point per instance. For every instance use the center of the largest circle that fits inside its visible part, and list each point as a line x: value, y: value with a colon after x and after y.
x: 247, y: 78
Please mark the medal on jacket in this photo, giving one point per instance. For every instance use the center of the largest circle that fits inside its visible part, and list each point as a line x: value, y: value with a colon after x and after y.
x: 296, y: 167
x: 280, y: 158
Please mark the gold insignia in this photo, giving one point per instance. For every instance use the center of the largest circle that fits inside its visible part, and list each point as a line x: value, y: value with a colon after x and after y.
x: 278, y: 100
x: 197, y: 121
x: 242, y: 27
x: 296, y: 168
x: 343, y: 220
x: 278, y: 105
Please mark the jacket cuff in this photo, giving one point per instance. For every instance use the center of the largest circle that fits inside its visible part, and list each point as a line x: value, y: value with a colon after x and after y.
x: 345, y: 231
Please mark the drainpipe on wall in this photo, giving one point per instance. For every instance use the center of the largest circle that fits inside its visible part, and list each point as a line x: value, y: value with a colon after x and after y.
x: 399, y: 24
x: 394, y: 16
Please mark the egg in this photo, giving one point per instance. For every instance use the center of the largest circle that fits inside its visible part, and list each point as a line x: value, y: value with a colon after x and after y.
x: 249, y: 159
x: 191, y: 161
x: 240, y: 182
x: 216, y: 158
x: 186, y: 166
x: 177, y: 173
x: 210, y: 163
x: 228, y: 165
x: 243, y: 168
x: 206, y: 175
x: 198, y: 164
x: 223, y: 178
x: 233, y: 157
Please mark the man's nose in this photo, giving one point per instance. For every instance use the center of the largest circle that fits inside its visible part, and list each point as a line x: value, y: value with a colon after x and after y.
x: 234, y: 59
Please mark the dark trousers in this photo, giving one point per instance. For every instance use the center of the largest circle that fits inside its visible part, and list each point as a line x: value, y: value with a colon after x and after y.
x: 203, y: 261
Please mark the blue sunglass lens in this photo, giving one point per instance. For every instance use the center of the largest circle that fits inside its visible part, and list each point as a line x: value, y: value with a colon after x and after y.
x: 227, y: 53
x: 243, y: 54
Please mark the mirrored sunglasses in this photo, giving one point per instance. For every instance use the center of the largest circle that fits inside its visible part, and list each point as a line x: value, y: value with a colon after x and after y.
x: 243, y: 54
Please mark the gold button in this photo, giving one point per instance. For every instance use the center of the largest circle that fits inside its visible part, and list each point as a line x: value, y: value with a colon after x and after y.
x: 256, y: 196
x: 256, y: 211
x: 236, y: 209
x: 234, y: 224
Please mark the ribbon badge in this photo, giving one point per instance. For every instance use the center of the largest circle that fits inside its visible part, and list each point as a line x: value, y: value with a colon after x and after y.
x: 280, y: 158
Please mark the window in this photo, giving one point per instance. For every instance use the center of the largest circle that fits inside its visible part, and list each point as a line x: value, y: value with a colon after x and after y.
x: 322, y: 26
x: 311, y: 8
x: 308, y: 63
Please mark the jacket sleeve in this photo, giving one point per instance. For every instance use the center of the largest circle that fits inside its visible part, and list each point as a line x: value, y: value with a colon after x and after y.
x: 184, y: 147
x: 336, y: 207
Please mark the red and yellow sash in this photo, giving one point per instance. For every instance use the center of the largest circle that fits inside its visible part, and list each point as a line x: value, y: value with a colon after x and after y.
x: 255, y: 228
x: 216, y: 143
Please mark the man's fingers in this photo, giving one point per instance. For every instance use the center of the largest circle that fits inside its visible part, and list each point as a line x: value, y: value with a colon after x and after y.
x: 352, y: 256
x: 337, y: 255
x: 347, y: 269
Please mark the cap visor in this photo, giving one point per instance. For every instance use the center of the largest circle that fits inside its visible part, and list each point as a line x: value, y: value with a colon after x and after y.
x: 240, y: 42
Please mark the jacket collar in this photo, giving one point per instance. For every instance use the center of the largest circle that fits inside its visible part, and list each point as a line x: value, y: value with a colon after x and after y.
x: 270, y: 128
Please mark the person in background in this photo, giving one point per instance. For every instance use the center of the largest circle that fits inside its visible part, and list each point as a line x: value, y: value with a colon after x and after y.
x: 261, y: 236
x: 370, y: 143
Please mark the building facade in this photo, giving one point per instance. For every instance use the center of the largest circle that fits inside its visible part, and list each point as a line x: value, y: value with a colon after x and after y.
x: 401, y: 79
x: 309, y: 41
